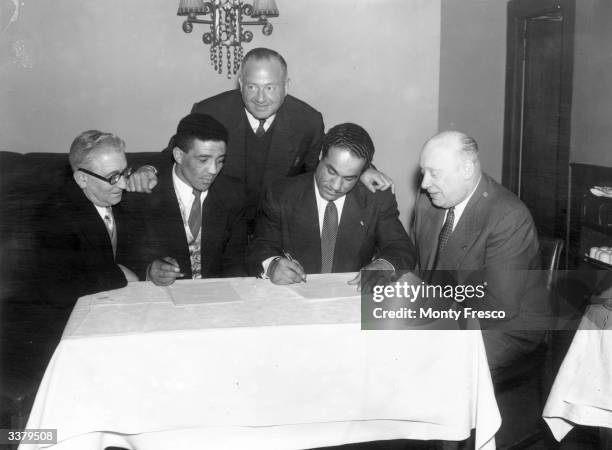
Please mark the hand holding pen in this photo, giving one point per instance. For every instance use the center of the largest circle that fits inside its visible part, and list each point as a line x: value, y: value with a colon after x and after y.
x: 164, y: 271
x: 286, y: 270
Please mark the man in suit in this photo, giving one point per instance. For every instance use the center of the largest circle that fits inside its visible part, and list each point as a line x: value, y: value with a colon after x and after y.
x: 81, y: 239
x: 272, y: 135
x: 194, y: 219
x: 330, y: 222
x: 472, y: 230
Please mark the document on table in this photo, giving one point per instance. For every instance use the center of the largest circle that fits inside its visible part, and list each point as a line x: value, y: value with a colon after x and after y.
x: 191, y: 292
x: 133, y: 293
x: 318, y: 287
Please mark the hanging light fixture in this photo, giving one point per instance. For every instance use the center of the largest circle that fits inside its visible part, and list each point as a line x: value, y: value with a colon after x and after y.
x: 226, y: 26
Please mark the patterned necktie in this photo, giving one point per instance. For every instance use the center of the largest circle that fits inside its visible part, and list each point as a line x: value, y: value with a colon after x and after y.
x: 445, y: 233
x: 195, y: 215
x: 260, y: 129
x: 108, y: 220
x: 110, y: 227
x: 328, y: 237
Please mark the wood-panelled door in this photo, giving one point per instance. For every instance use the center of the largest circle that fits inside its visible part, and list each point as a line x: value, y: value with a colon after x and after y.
x: 538, y: 106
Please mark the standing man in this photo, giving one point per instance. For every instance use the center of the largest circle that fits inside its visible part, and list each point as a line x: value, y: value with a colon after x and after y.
x: 469, y: 226
x: 272, y: 135
x: 330, y: 222
x: 194, y: 223
x: 83, y: 231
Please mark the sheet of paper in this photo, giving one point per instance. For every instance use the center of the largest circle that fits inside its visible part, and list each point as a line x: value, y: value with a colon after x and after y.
x: 321, y: 287
x: 195, y: 293
x: 133, y: 293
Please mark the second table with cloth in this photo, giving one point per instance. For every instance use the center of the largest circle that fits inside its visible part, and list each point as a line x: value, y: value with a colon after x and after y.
x: 241, y: 362
x: 582, y: 391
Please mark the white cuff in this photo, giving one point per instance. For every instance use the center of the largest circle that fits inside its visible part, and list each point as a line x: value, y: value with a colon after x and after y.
x: 266, y: 265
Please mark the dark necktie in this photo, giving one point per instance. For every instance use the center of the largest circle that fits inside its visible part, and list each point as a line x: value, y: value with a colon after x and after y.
x: 260, y: 129
x: 195, y: 215
x: 328, y: 237
x: 445, y: 233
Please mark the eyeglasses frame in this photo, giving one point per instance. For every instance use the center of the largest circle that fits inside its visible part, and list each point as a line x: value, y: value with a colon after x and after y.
x: 126, y: 173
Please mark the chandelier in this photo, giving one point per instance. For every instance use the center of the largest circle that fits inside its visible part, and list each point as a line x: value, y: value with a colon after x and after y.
x: 226, y: 26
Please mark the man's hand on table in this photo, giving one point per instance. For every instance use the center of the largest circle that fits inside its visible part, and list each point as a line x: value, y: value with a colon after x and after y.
x: 377, y: 272
x: 129, y: 275
x: 286, y: 271
x: 143, y: 180
x: 164, y: 271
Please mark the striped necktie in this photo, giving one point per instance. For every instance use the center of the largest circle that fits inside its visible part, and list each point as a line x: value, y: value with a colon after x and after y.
x: 195, y: 215
x: 260, y: 129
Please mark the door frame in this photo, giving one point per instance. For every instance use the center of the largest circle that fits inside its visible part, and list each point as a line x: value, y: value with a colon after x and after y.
x: 518, y: 11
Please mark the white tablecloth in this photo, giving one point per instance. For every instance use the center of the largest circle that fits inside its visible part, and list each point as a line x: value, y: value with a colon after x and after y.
x: 582, y: 392
x: 273, y: 370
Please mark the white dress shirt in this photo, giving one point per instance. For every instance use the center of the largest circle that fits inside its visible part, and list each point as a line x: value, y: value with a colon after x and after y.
x: 184, y: 194
x: 255, y: 122
x: 103, y: 211
x: 322, y: 204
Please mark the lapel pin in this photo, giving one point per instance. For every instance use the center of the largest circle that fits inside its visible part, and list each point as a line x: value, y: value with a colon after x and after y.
x: 361, y: 223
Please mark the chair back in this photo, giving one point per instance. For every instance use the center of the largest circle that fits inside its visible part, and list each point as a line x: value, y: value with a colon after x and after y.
x: 550, y: 251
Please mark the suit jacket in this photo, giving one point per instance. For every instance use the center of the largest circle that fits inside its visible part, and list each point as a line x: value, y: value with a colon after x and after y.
x: 223, y: 240
x: 296, y: 140
x: 369, y: 228
x: 495, y: 241
x: 75, y: 254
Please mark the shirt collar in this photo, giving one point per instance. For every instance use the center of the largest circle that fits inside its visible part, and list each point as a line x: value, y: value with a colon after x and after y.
x: 254, y: 123
x: 183, y: 190
x: 103, y: 210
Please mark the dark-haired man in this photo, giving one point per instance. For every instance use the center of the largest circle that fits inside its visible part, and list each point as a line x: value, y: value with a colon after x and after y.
x: 272, y: 135
x: 194, y: 219
x: 330, y: 222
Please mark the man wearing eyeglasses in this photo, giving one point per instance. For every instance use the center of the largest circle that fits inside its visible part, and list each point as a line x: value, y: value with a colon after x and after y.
x: 82, y: 233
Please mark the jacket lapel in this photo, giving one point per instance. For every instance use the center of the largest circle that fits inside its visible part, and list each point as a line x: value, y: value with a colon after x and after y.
x: 466, y: 229
x: 282, y: 149
x: 211, y: 209
x: 235, y: 163
x: 351, y: 231
x: 92, y: 227
x: 305, y: 229
x: 175, y: 230
x: 427, y: 239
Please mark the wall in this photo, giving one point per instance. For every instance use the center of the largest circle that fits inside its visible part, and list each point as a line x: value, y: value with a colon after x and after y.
x: 591, y: 138
x: 472, y: 75
x: 127, y: 67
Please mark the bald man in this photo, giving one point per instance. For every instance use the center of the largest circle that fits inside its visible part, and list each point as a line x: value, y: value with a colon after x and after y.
x: 470, y: 229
